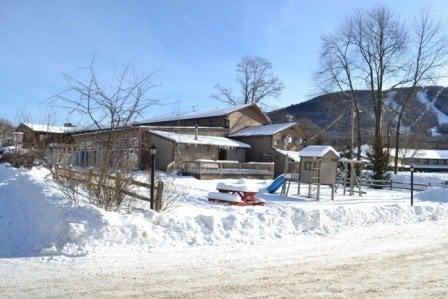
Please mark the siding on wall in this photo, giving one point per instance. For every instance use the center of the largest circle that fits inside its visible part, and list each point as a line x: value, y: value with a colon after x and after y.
x: 328, y: 169
x: 245, y: 118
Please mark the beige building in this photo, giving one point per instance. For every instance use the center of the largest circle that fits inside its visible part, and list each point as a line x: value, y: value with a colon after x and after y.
x: 232, y: 119
x: 271, y: 143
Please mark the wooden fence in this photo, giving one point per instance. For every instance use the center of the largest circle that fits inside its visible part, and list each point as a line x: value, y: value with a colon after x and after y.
x: 90, y: 177
x: 392, y: 184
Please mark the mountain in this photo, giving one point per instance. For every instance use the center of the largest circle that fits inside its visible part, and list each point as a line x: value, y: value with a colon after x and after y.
x: 427, y: 113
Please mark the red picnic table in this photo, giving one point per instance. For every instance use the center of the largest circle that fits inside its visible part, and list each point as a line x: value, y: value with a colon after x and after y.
x: 240, y: 194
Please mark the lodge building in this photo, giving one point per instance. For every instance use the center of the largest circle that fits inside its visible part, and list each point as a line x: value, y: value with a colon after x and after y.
x: 236, y: 138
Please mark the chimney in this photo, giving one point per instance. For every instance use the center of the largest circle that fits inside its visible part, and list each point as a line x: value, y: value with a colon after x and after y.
x: 196, y: 132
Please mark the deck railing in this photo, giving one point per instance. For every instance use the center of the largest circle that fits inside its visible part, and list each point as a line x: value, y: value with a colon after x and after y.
x: 204, y: 167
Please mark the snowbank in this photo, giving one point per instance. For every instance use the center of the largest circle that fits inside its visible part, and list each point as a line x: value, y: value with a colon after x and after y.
x: 36, y: 220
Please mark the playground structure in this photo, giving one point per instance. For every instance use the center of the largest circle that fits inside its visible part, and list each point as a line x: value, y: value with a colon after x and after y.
x: 318, y: 166
x: 349, y: 175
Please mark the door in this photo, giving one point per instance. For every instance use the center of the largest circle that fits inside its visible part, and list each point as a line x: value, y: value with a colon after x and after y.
x: 222, y: 154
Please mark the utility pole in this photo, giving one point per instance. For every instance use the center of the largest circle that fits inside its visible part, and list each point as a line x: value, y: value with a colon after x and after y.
x: 352, y: 129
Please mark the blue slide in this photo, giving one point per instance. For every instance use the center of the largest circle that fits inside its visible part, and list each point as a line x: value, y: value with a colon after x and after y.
x: 276, y: 184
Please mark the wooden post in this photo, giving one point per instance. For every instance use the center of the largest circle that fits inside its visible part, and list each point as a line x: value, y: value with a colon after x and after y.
x: 352, y: 178
x: 345, y: 178
x: 318, y: 182
x: 332, y: 192
x: 159, y: 196
x: 412, y: 185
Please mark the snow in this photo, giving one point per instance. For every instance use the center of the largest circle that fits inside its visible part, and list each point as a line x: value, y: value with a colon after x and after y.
x: 48, y: 128
x: 262, y: 130
x: 57, y: 240
x: 36, y: 220
x: 224, y: 196
x: 242, y: 185
x: 293, y: 155
x: 201, y: 139
x: 423, y: 98
x: 317, y: 151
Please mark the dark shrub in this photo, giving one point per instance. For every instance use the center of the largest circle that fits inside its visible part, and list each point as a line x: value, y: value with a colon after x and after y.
x: 18, y: 159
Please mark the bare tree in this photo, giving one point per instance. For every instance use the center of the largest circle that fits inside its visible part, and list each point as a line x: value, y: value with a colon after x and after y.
x: 337, y: 72
x: 374, y: 50
x: 428, y: 56
x: 109, y: 106
x: 256, y: 83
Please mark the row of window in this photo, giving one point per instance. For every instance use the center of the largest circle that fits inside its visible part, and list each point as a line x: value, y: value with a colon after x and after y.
x: 119, y: 158
x: 287, y: 140
x: 426, y: 161
x: 122, y: 143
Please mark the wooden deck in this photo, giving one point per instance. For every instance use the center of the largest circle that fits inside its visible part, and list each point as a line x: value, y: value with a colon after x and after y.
x: 228, y: 169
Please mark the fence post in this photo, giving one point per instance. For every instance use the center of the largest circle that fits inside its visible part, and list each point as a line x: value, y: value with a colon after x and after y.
x: 391, y: 182
x: 412, y: 185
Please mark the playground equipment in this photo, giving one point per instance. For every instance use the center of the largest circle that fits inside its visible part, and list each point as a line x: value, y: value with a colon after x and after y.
x: 317, y: 166
x: 350, y: 175
x: 241, y: 194
x: 276, y: 184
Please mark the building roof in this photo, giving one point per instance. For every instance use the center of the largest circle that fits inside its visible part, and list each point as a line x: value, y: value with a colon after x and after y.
x: 317, y: 151
x: 262, y: 130
x: 411, y: 153
x: 422, y: 153
x: 293, y: 155
x: 48, y: 128
x: 199, y: 114
x: 202, y: 140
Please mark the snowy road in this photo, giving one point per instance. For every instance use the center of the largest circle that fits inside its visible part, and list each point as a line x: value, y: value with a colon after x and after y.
x: 401, y: 260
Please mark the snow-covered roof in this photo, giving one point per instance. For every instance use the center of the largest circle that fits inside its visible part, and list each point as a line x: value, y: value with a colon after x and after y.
x: 423, y: 154
x: 48, y: 128
x: 262, y: 130
x: 293, y: 155
x: 317, y: 151
x: 411, y: 153
x: 204, y: 140
x: 196, y: 114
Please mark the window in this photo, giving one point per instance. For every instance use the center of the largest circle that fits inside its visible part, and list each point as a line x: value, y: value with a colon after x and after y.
x: 288, y: 140
x: 309, y: 165
x: 17, y: 137
x: 133, y: 158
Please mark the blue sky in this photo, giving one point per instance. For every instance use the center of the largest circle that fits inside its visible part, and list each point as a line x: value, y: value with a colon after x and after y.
x: 194, y: 44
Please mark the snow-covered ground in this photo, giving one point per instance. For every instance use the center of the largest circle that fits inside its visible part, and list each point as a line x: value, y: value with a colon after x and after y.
x: 41, y: 230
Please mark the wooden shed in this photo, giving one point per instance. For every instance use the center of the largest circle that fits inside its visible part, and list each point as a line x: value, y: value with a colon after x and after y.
x: 318, y: 164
